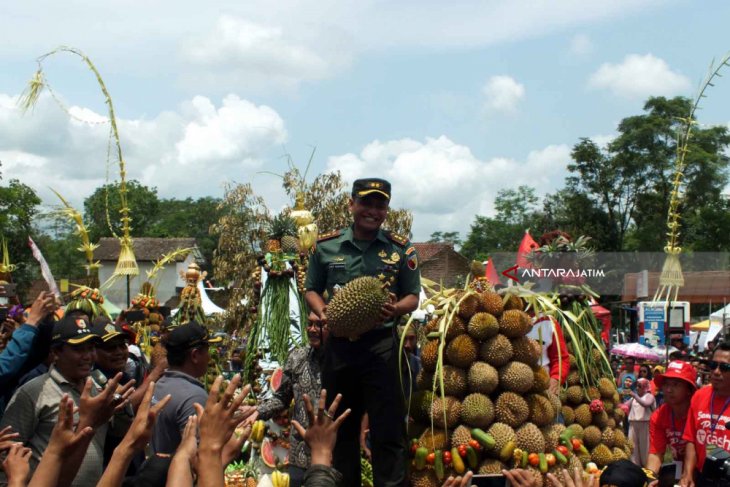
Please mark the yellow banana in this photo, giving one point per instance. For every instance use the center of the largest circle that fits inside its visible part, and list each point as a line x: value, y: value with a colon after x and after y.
x: 257, y: 431
x: 280, y: 479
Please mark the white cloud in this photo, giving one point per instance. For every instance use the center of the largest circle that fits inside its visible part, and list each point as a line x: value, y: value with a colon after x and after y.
x: 188, y: 152
x: 503, y: 94
x: 258, y: 56
x: 581, y: 45
x: 444, y: 184
x: 638, y: 77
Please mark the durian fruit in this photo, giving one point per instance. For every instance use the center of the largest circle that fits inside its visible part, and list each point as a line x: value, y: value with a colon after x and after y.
x: 616, y: 398
x: 606, y: 387
x: 601, y: 455
x: 502, y: 435
x: 482, y: 377
x: 574, y: 395
x: 468, y: 305
x: 619, y: 454
x: 573, y: 463
x: 601, y: 419
x: 424, y: 478
x: 593, y: 393
x: 552, y: 435
x: 462, y: 351
x: 460, y: 436
x: 577, y: 430
x: 516, y: 377
x: 607, y: 438
x: 514, y: 302
x: 452, y: 408
x: 429, y: 355
x: 514, y: 323
x: 491, y: 302
x: 496, y: 351
x: 619, y: 439
x: 482, y: 326
x: 454, y: 381
x: 611, y: 423
x: 591, y: 436
x: 529, y: 438
x: 555, y: 401
x: 491, y: 466
x: 431, y: 326
x: 573, y: 378
x: 420, y: 405
x: 542, y: 412
x: 456, y: 328
x: 619, y: 414
x: 477, y: 410
x: 568, y: 414
x: 434, y: 439
x: 583, y: 415
x: 597, y: 355
x: 355, y: 309
x: 526, y: 350
x: 511, y: 409
x: 424, y: 380
x: 573, y: 363
x: 542, y: 380
x: 608, y: 406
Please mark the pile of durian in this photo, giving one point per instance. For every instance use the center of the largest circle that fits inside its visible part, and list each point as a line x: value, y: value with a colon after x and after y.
x: 593, y: 413
x: 482, y: 391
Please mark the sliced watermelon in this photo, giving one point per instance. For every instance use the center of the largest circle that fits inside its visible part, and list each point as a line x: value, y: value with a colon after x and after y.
x: 267, y: 453
x: 276, y: 377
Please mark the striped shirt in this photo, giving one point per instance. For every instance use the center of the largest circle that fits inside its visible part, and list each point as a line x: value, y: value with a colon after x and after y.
x: 33, y: 412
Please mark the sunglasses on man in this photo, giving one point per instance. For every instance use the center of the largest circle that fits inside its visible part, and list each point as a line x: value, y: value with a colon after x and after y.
x: 712, y: 365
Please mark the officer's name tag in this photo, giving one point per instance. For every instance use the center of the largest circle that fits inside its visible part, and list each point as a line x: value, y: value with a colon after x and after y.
x: 336, y: 265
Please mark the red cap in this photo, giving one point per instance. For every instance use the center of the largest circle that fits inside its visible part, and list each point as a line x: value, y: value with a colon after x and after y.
x: 678, y: 369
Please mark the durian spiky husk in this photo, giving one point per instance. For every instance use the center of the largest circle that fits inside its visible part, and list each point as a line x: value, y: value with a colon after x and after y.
x: 511, y: 409
x: 516, y: 377
x: 355, y: 309
x: 482, y: 378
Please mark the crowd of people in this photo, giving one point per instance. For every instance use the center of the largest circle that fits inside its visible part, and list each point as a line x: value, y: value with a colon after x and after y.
x: 77, y: 408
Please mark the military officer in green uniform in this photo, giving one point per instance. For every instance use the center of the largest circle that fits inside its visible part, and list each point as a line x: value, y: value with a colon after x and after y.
x: 365, y: 370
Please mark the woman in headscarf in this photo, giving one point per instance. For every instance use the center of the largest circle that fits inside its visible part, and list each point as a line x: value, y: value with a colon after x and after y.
x: 641, y: 405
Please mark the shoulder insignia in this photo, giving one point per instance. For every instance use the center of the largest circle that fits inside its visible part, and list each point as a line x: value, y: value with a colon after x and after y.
x: 398, y: 239
x: 329, y: 236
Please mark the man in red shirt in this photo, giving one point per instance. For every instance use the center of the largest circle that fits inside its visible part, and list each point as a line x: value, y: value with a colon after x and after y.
x: 667, y: 423
x: 708, y: 419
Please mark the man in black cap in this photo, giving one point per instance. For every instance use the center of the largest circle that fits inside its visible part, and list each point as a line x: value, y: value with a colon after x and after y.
x: 33, y: 409
x: 365, y: 370
x: 187, y: 358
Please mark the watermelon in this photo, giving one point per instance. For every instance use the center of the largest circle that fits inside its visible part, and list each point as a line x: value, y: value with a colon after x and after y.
x: 267, y: 453
x: 276, y: 377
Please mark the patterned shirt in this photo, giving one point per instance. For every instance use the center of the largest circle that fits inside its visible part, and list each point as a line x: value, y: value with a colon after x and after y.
x: 33, y: 412
x: 301, y: 376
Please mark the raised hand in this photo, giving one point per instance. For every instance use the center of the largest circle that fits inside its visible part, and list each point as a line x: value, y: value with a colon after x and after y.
x: 43, y: 305
x: 220, y: 417
x: 464, y: 481
x: 322, y: 432
x: 98, y: 410
x: 140, y: 431
x: 6, y: 438
x: 64, y: 440
x: 17, y: 464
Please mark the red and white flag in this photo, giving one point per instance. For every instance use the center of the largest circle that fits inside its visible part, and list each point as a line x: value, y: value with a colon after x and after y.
x: 526, y: 247
x: 491, y: 273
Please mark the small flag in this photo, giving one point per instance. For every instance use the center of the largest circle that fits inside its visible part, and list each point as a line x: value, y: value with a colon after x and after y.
x: 526, y: 247
x: 45, y: 270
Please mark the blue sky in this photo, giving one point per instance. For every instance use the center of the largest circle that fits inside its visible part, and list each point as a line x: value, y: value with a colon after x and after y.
x: 451, y: 101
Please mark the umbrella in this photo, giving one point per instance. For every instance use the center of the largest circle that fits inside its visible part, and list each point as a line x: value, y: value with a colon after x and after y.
x: 701, y: 326
x: 661, y: 350
x: 635, y: 350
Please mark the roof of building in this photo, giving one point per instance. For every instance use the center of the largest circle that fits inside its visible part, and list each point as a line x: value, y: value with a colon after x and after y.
x: 429, y: 250
x: 146, y: 248
x: 699, y: 287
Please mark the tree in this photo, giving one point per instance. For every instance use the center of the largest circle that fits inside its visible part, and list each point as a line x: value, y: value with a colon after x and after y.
x: 517, y: 211
x: 445, y: 237
x: 104, y: 202
x: 18, y: 208
x: 188, y: 218
x: 630, y: 180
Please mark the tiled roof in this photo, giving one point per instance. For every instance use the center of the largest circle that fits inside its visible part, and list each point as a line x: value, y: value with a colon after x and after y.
x: 428, y: 250
x: 145, y: 248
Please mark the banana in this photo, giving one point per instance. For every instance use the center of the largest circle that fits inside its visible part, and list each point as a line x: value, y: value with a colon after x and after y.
x: 257, y: 431
x: 280, y: 479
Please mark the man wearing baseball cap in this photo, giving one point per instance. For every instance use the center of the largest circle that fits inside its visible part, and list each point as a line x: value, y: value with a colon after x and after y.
x: 708, y: 419
x: 187, y: 358
x: 33, y: 409
x: 667, y: 423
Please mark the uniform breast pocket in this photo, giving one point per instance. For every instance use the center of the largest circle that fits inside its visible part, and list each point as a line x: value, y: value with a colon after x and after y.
x: 336, y: 274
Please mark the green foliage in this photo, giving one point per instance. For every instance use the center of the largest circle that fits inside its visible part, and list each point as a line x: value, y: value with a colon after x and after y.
x: 143, y: 203
x: 452, y: 238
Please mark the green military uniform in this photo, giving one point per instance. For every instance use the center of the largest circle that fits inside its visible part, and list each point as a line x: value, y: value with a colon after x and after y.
x: 365, y: 371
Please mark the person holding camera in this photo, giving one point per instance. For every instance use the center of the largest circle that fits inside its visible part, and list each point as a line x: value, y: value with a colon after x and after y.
x: 708, y: 422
